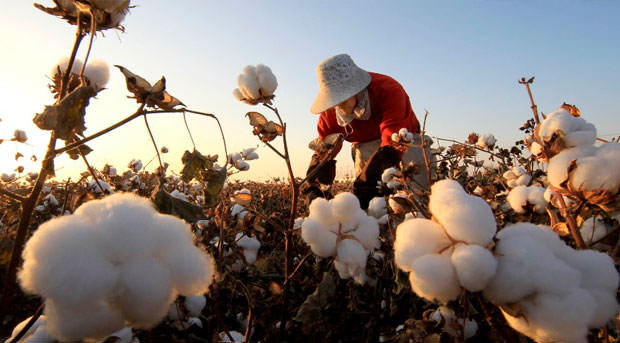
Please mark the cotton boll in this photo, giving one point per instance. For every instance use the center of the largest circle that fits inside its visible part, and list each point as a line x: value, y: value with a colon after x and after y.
x: 377, y: 207
x: 464, y: 217
x: 417, y: 237
x: 350, y: 259
x: 90, y: 321
x: 98, y: 73
x: 388, y: 174
x: 248, y: 85
x: 195, y: 304
x: 266, y: 79
x: 555, y: 318
x: 192, y: 269
x: 367, y: 232
x: 395, y: 137
x: 321, y: 240
x: 594, y: 229
x: 536, y: 197
x: 62, y: 65
x: 250, y: 247
x: 557, y: 169
x: 242, y: 165
x: 236, y: 337
x: 575, y: 131
x: 600, y: 171
x: 433, y: 277
x: 470, y: 327
x: 517, y: 198
x: 33, y: 331
x: 345, y: 207
x: 320, y: 209
x: 61, y: 261
x: 237, y: 94
x: 146, y: 292
x: 474, y: 266
x: 123, y: 335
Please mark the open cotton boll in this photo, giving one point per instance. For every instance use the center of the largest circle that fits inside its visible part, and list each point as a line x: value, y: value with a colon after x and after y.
x: 98, y: 73
x: 557, y: 169
x: 593, y: 229
x: 345, y: 206
x: 266, y: 79
x: 61, y: 261
x: 36, y: 333
x: 377, y: 207
x: 146, y: 292
x: 474, y: 266
x: 236, y: 337
x: 601, y: 171
x: 417, y: 237
x: 433, y: 277
x: 123, y: 335
x: 248, y: 85
x: 191, y: 268
x: 367, y: 232
x: 250, y: 247
x: 555, y: 317
x: 575, y: 131
x: 464, y: 217
x: 62, y: 65
x: 237, y: 94
x: 522, y: 196
x: 194, y: 304
x: 351, y: 253
x: 486, y: 141
x: 90, y: 321
x: 321, y: 240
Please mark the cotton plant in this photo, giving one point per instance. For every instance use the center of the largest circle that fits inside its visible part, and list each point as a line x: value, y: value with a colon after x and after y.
x: 256, y: 84
x: 588, y: 172
x: 450, y: 251
x: 523, y: 199
x: 96, y: 73
x: 115, y: 261
x: 517, y: 176
x: 107, y: 14
x: 403, y: 136
x: 239, y: 160
x: 390, y: 178
x: 548, y: 290
x: 486, y: 141
x: 339, y: 228
x: 250, y: 246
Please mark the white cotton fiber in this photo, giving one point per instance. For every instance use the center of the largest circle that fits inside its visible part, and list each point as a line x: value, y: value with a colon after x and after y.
x: 557, y: 169
x: 123, y: 335
x: 575, y: 131
x: 62, y: 65
x: 98, y: 73
x: 417, y: 237
x: 266, y: 80
x: 146, y: 292
x: 321, y: 239
x: 522, y: 196
x: 36, y: 333
x: 248, y: 85
x: 94, y: 320
x: 486, y: 141
x: 237, y: 94
x: 367, y: 232
x: 593, y: 229
x: 464, y: 217
x: 194, y: 304
x: 377, y: 207
x: 434, y: 277
x: 474, y: 266
x: 345, y: 209
x: 600, y: 171
x: 117, y: 258
x: 250, y: 246
x: 62, y: 262
x: 352, y: 255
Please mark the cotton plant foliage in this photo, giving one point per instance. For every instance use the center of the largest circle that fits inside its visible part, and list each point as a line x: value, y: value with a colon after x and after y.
x: 339, y: 228
x: 114, y: 261
x: 548, y: 290
x: 449, y: 252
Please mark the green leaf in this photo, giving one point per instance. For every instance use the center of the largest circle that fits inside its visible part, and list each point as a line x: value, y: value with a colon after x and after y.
x: 67, y: 117
x: 167, y: 204
x: 310, y: 312
x: 194, y: 164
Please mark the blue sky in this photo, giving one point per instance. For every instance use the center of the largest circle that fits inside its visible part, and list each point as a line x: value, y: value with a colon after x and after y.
x: 460, y: 60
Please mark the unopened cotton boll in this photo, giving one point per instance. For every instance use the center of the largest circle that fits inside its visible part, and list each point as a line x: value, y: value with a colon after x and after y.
x: 415, y: 238
x: 433, y: 277
x: 464, y: 217
x: 194, y: 304
x: 474, y: 266
x: 266, y: 80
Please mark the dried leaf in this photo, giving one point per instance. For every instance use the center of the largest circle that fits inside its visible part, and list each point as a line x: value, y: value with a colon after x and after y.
x: 74, y: 154
x: 214, y: 182
x: 194, y: 164
x: 572, y: 109
x: 561, y: 229
x: 311, y: 311
x: 18, y: 155
x: 67, y: 117
x: 137, y: 85
x: 167, y: 204
x: 256, y: 119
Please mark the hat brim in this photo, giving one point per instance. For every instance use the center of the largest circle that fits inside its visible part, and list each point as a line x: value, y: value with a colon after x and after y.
x: 329, y: 97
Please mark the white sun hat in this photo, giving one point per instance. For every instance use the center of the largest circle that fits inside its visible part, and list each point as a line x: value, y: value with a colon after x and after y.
x: 339, y: 79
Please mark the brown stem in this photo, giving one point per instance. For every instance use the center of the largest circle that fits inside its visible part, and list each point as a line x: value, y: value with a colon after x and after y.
x: 571, y: 221
x: 190, y: 132
x: 28, y: 325
x: 148, y: 128
x: 65, y: 77
x: 428, y: 165
x: 90, y: 43
x: 92, y: 172
x: 12, y: 195
x: 218, y: 124
x: 65, y: 203
x: 275, y: 150
x: 298, y: 266
x: 468, y: 145
x: 529, y: 92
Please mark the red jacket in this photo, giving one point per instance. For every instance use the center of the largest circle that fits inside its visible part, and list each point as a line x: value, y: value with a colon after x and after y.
x: 390, y: 111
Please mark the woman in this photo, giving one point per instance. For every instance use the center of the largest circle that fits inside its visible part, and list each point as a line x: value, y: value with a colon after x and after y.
x: 367, y: 108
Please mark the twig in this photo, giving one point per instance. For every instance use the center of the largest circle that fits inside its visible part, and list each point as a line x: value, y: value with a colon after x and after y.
x: 12, y: 195
x: 190, y: 132
x: 90, y: 169
x: 529, y: 92
x: 297, y: 268
x: 275, y: 150
x: 422, y: 133
x: 468, y: 145
x: 570, y: 220
x: 148, y: 128
x: 66, y: 201
x: 90, y: 42
x: 28, y: 325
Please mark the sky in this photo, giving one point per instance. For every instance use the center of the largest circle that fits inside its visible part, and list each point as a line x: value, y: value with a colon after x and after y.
x: 460, y: 60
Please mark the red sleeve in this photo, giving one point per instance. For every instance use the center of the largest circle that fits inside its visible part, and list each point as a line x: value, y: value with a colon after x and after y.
x: 396, y: 113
